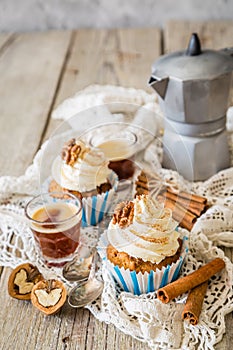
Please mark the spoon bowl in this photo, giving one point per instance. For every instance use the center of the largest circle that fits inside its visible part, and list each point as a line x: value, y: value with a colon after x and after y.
x: 86, y: 291
x: 78, y: 269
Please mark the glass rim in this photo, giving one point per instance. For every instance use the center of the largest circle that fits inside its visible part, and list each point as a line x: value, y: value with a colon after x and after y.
x: 53, y: 222
x: 130, y: 131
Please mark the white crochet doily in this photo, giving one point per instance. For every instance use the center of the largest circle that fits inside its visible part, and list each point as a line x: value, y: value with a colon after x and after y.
x: 144, y: 317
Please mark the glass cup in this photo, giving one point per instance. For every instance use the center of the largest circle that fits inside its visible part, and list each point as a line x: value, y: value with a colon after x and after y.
x: 118, y: 144
x: 55, y: 220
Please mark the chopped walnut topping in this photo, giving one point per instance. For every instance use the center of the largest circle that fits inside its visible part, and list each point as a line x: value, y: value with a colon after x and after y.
x: 70, y: 152
x: 123, y: 214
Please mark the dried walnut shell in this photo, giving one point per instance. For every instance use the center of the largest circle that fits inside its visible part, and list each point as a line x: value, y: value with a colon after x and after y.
x: 22, y: 279
x: 48, y: 296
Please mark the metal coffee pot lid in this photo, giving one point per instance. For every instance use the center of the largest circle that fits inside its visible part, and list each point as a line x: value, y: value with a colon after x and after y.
x: 194, y: 84
x: 194, y: 63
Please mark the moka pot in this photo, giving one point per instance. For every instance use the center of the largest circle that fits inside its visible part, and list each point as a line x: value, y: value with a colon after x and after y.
x: 193, y: 88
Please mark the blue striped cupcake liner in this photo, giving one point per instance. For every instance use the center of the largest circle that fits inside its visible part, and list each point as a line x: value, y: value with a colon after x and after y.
x: 95, y: 207
x: 141, y: 283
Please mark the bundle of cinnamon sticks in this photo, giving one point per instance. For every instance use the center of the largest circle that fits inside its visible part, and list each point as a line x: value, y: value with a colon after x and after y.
x: 196, y: 284
x: 186, y: 207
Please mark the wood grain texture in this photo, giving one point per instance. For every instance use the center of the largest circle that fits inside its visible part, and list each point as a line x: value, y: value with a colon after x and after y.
x: 29, y: 70
x: 213, y: 35
x: 119, y: 57
x: 5, y: 40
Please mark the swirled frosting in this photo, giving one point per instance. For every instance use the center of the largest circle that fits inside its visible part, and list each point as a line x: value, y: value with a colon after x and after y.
x: 88, y: 171
x: 151, y: 235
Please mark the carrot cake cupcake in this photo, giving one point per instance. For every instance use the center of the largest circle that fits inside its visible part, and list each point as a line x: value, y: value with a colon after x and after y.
x: 142, y: 246
x: 83, y: 171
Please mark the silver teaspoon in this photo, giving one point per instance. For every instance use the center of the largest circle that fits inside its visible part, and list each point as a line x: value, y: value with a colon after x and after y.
x: 78, y: 269
x: 87, y: 291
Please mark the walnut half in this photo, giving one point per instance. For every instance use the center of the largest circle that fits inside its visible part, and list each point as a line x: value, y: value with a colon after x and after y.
x: 22, y: 279
x: 70, y: 152
x: 123, y: 214
x: 48, y: 296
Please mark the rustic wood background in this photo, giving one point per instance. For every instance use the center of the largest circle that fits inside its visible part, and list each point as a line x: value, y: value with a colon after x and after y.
x: 38, y: 71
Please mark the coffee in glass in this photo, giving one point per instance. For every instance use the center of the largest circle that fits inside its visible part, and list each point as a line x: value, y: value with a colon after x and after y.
x: 55, y: 220
x: 118, y: 145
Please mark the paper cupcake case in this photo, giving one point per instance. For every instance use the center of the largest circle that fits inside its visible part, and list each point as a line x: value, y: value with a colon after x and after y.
x: 139, y: 283
x: 95, y: 207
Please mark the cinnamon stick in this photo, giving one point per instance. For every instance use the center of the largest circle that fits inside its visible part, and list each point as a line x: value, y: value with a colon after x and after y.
x: 141, y: 191
x: 193, y: 305
x: 143, y: 177
x: 141, y: 184
x: 186, y: 207
x: 179, y: 213
x: 184, y: 284
x: 195, y: 207
x: 190, y: 196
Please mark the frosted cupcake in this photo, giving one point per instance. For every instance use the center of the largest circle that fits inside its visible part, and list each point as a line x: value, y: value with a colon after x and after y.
x: 141, y: 247
x: 83, y: 171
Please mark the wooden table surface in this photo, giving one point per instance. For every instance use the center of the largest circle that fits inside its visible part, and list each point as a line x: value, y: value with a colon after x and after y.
x: 38, y: 71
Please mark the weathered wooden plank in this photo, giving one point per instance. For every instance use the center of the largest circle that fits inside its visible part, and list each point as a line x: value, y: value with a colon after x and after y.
x: 32, y: 330
x: 5, y: 38
x: 29, y: 68
x: 213, y: 34
x: 119, y: 57
x: 123, y: 341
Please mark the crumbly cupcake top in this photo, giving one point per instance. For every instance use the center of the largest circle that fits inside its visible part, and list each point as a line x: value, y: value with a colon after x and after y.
x: 144, y: 229
x: 83, y: 168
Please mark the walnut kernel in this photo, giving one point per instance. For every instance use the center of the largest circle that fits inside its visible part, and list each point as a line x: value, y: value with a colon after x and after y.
x: 22, y: 279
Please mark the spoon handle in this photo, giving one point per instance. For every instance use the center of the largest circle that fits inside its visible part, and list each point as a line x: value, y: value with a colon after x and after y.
x: 93, y: 265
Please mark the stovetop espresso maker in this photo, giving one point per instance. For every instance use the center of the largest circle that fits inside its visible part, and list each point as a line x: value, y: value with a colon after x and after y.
x: 193, y: 88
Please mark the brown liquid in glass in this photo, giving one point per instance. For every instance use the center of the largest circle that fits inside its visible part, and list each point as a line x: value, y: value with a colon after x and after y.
x: 119, y: 154
x: 123, y: 168
x: 57, y: 240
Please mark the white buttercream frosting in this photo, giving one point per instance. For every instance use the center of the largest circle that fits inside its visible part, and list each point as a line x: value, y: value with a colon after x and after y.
x: 89, y: 171
x: 151, y: 236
